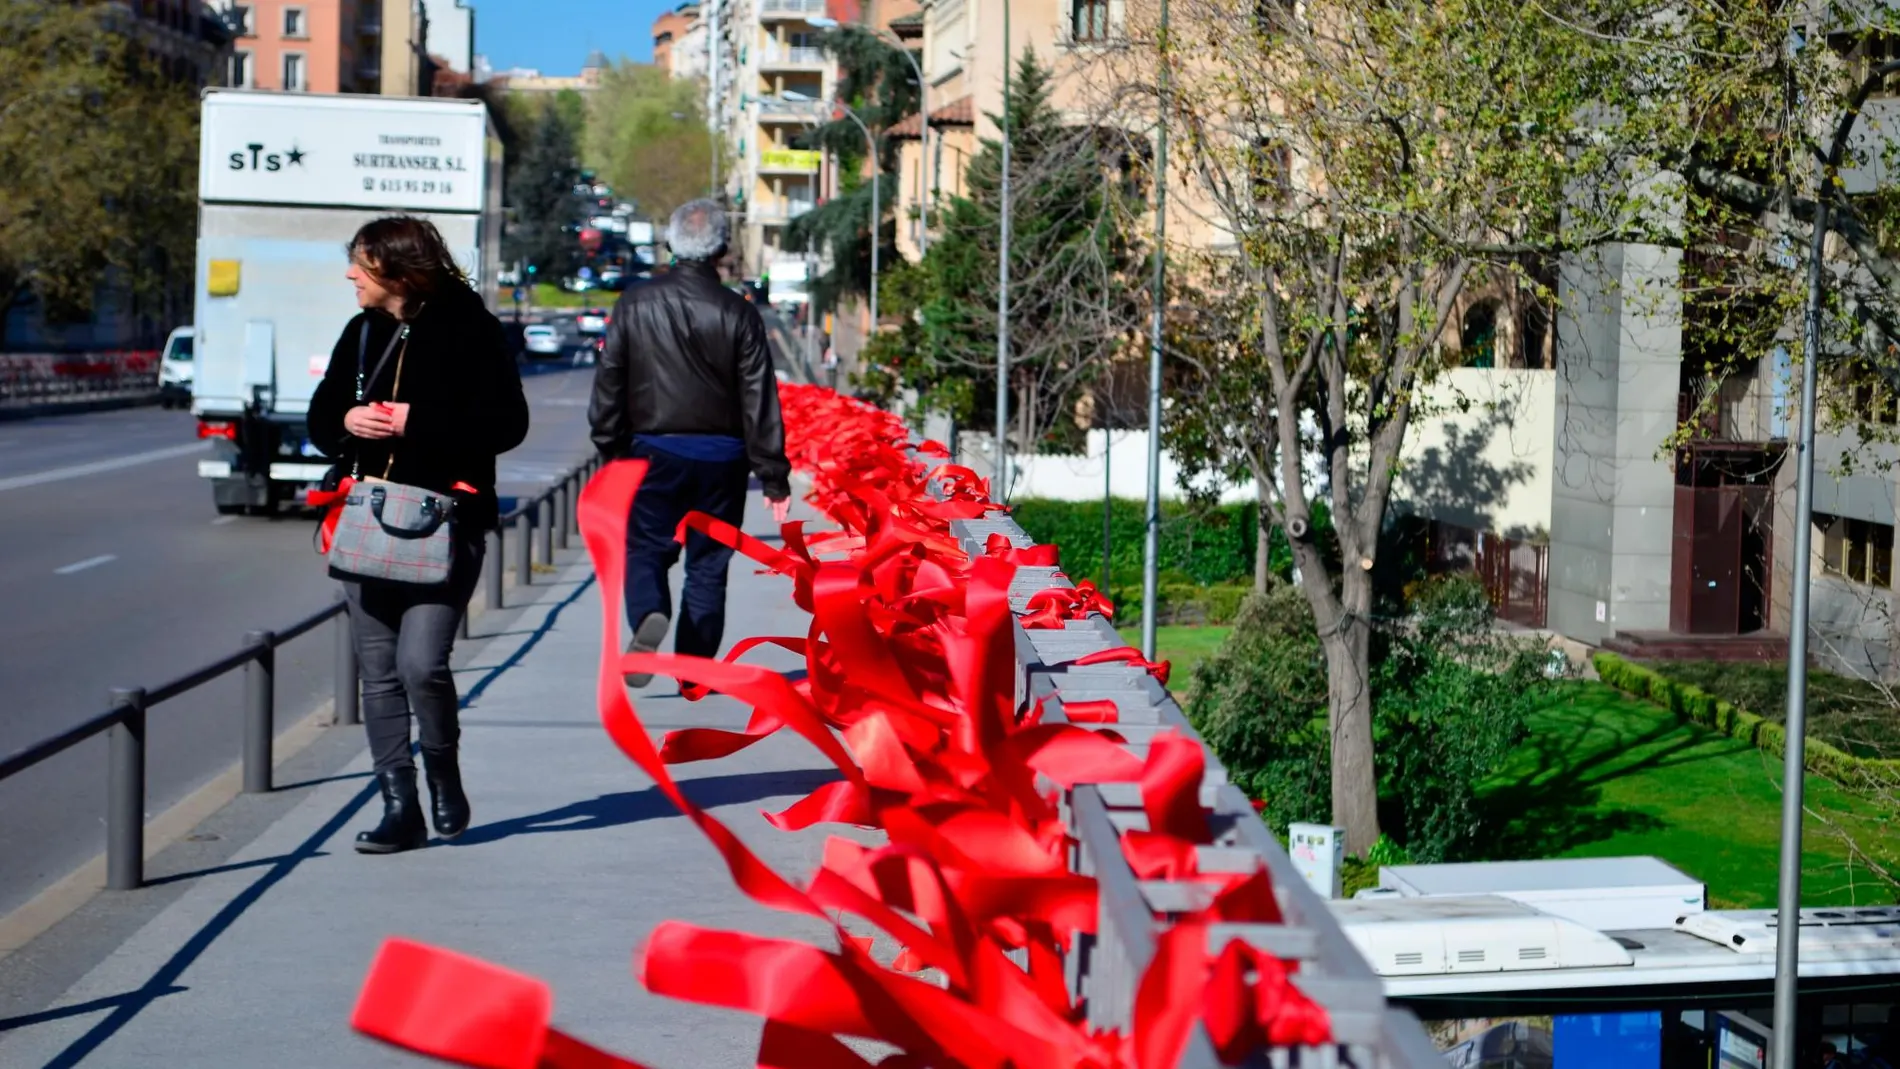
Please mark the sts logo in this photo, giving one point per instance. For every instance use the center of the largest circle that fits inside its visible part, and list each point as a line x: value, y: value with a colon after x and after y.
x: 259, y: 160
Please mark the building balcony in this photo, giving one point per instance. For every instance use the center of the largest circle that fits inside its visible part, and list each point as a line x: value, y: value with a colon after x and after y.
x: 796, y: 57
x: 779, y: 110
x: 369, y: 24
x: 780, y: 10
x: 779, y: 212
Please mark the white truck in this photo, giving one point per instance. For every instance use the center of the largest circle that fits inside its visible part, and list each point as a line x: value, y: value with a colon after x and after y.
x: 284, y: 181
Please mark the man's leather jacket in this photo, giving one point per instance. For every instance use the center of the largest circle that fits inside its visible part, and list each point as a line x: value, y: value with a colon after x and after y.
x: 686, y: 355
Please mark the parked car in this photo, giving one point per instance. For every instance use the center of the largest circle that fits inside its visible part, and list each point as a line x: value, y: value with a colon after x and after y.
x: 174, y: 368
x: 593, y: 321
x: 542, y: 341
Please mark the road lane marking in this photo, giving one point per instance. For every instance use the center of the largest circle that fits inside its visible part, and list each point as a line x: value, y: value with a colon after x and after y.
x: 222, y: 520
x: 89, y: 562
x: 97, y: 467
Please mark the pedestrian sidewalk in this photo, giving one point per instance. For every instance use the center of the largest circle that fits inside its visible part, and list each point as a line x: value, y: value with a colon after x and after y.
x: 249, y: 947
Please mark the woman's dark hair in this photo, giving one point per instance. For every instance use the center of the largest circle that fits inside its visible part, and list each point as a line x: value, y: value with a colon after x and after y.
x: 408, y: 255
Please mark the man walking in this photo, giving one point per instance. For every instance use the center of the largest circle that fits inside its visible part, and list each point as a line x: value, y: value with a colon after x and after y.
x: 685, y: 383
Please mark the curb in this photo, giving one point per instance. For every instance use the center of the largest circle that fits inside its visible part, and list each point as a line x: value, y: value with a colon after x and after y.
x: 33, y: 410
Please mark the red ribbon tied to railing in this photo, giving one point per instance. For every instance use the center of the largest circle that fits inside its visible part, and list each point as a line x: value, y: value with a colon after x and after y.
x: 909, y: 692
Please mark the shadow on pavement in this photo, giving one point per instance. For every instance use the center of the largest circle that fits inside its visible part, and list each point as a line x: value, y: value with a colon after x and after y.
x: 164, y: 980
x: 631, y: 807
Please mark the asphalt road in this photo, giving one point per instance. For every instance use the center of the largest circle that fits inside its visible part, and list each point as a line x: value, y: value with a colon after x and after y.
x: 115, y: 571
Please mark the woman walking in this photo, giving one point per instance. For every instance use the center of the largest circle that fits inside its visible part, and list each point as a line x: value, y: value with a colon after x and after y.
x: 421, y: 390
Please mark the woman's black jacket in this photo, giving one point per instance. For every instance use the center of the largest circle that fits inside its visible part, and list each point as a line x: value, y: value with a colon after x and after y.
x: 465, y: 396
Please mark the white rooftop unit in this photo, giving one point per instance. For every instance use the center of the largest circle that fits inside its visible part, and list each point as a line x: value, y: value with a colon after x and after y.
x: 1470, y: 934
x: 1603, y: 894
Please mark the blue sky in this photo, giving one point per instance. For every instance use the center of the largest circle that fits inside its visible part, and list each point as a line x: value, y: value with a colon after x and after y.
x: 554, y: 36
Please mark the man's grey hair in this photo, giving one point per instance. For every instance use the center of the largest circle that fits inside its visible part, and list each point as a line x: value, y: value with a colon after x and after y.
x: 698, y: 230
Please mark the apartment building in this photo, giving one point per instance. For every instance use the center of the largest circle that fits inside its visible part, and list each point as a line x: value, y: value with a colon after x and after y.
x: 306, y: 46
x: 671, y: 31
x: 406, y: 68
x: 529, y: 80
x: 188, y: 38
x: 451, y: 37
x: 775, y: 81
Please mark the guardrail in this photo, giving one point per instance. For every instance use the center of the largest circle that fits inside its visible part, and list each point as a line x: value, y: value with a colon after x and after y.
x: 124, y: 721
x: 1106, y: 968
x: 50, y: 376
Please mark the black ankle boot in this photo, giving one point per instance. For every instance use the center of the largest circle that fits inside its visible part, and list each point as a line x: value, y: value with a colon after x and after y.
x: 402, y: 827
x: 444, y: 770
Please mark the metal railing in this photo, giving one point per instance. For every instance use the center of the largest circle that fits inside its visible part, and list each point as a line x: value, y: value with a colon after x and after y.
x: 552, y: 513
x: 791, y: 55
x: 782, y: 8
x: 28, y: 377
x: 1105, y: 969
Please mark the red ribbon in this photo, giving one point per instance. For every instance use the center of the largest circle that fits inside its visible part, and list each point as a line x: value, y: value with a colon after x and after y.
x: 909, y: 692
x: 332, y: 502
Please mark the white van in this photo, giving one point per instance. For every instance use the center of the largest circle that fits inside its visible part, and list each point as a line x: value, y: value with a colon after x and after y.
x: 174, y: 369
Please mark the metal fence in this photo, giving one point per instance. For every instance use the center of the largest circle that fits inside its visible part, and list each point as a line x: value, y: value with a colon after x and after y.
x: 1105, y: 969
x: 29, y: 377
x: 539, y: 525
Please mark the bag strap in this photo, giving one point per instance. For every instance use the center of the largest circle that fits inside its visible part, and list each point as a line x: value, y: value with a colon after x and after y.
x: 362, y: 352
x: 389, y: 464
x: 362, y: 381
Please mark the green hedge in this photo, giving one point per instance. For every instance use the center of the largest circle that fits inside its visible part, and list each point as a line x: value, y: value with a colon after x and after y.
x: 1200, y: 545
x: 1697, y: 705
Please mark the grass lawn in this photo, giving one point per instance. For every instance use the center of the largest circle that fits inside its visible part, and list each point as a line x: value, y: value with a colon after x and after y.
x: 1185, y: 645
x: 548, y: 295
x: 1606, y: 775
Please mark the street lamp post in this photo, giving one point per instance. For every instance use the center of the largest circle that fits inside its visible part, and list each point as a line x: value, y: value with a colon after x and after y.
x: 826, y: 22
x: 1794, y: 751
x: 1151, y: 546
x: 876, y: 204
x: 1001, y: 454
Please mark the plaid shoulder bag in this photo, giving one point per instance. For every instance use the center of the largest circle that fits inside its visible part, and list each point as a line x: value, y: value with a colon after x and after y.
x: 388, y: 532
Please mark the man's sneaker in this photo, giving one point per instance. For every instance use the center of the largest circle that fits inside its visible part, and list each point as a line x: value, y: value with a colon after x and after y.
x: 646, y: 639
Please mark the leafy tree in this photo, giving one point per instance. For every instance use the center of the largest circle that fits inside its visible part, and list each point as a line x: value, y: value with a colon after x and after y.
x: 1372, y: 165
x: 542, y: 203
x: 1366, y: 166
x: 646, y: 136
x: 98, y: 146
x: 1075, y: 277
x: 877, y: 82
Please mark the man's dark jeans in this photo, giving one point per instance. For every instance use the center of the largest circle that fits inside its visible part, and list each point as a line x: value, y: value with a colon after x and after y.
x: 674, y: 486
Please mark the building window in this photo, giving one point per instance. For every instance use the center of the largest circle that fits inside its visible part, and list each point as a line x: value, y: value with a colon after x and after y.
x: 294, y: 23
x: 1859, y: 550
x: 1088, y: 20
x: 244, y: 20
x: 241, y: 69
x: 1866, y: 393
x: 294, y: 77
x: 1478, y: 339
x: 1270, y: 171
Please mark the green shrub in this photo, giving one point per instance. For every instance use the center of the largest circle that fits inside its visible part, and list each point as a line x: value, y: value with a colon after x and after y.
x: 1260, y: 702
x: 1450, y: 702
x: 1200, y: 545
x: 1859, y: 774
x: 1851, y: 715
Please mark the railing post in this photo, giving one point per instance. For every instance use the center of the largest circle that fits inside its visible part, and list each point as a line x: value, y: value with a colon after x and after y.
x: 544, y: 514
x: 259, y: 701
x: 125, y: 792
x: 491, y: 568
x: 524, y: 546
x: 563, y: 510
x: 349, y: 690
